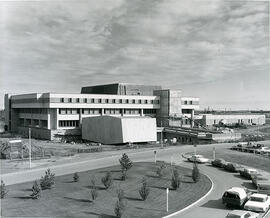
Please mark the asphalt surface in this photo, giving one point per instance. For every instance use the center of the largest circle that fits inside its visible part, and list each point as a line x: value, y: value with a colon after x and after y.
x: 210, y: 206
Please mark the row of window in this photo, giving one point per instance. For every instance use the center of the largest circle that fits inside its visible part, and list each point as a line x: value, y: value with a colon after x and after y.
x: 190, y: 102
x: 64, y: 111
x: 33, y: 123
x: 68, y: 123
x: 108, y: 101
x: 34, y: 110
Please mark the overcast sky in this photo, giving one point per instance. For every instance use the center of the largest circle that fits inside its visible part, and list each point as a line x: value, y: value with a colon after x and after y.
x: 215, y: 50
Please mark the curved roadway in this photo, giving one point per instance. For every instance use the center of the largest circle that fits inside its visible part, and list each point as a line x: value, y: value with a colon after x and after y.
x: 210, y: 206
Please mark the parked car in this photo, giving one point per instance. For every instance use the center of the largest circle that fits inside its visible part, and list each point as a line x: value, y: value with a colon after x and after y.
x: 198, y: 159
x: 259, y: 179
x: 232, y: 167
x: 248, y: 172
x: 242, y: 214
x: 218, y: 162
x: 235, y: 197
x: 258, y: 203
x: 263, y: 150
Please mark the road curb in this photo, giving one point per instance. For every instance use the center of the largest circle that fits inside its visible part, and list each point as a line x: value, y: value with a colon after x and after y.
x: 194, y: 203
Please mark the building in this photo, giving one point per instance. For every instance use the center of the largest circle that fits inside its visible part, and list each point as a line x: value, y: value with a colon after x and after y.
x: 53, y: 116
x: 231, y: 119
x: 119, y: 130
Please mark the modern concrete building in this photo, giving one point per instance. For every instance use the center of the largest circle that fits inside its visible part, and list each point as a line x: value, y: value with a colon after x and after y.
x: 247, y: 119
x: 53, y: 116
x: 119, y: 130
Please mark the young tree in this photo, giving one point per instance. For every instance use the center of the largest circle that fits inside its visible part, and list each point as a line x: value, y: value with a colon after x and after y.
x: 107, y: 180
x: 175, y: 182
x: 195, y: 173
x: 36, y: 191
x: 126, y: 164
x: 47, y: 181
x: 76, y: 177
x: 3, y: 191
x: 93, y: 192
x: 160, y: 170
x: 120, y: 194
x: 144, y: 190
x: 119, y: 208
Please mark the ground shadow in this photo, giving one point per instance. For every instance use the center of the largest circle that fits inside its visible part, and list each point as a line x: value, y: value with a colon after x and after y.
x: 97, y: 187
x: 153, y: 176
x: 69, y: 182
x: 27, y: 189
x: 240, y: 177
x: 248, y: 185
x: 112, y: 171
x: 106, y: 216
x: 79, y: 200
x: 23, y: 197
x: 216, y: 204
x: 161, y: 187
x: 133, y: 198
x: 143, y: 208
x: 118, y: 179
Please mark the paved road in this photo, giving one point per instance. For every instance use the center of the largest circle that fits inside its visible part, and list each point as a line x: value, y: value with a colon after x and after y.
x: 209, y: 207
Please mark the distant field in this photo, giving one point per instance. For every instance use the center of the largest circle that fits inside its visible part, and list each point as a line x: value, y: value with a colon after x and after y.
x: 70, y: 199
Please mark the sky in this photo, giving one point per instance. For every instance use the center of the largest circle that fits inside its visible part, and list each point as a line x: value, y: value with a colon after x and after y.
x: 215, y: 50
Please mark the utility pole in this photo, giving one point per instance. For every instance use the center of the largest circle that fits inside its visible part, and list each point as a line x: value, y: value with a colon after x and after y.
x: 161, y: 136
x: 167, y: 200
x: 30, y: 148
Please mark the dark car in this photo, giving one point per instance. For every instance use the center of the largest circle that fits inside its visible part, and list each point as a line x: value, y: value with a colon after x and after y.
x: 235, y: 197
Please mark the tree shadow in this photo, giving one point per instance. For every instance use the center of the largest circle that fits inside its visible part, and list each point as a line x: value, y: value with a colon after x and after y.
x: 112, y: 171
x: 153, y: 176
x: 133, y: 198
x: 79, y: 200
x: 27, y: 189
x: 240, y: 177
x: 97, y: 187
x: 106, y: 216
x: 143, y: 208
x: 215, y: 204
x: 23, y: 197
x: 69, y: 182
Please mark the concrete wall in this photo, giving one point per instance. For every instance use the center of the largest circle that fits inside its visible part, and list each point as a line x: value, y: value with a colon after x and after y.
x: 117, y: 130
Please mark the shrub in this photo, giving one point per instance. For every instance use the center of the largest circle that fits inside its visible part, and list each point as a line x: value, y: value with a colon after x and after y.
x: 36, y: 191
x: 107, y: 180
x: 3, y: 191
x: 125, y: 162
x: 94, y: 193
x: 144, y: 190
x: 160, y: 170
x: 76, y: 177
x: 119, y: 208
x: 47, y: 181
x: 175, y: 182
x: 93, y: 182
x: 195, y: 173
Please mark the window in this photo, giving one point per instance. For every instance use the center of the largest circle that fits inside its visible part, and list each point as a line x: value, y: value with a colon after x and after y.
x: 99, y: 100
x: 107, y: 101
x: 70, y: 100
x: 85, y: 100
x: 126, y: 101
x: 77, y: 100
x: 133, y: 101
x: 152, y: 101
x: 62, y: 100
x: 120, y: 101
x: 140, y: 101
x: 146, y: 101
x: 190, y: 102
x: 185, y: 102
x: 113, y: 101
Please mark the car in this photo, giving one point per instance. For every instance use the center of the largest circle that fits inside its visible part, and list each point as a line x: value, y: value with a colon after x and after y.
x: 218, y: 163
x: 242, y: 214
x: 198, y: 159
x: 248, y: 173
x: 232, y: 167
x: 258, y: 202
x: 235, y: 197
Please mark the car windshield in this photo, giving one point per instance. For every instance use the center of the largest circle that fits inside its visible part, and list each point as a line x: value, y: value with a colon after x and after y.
x: 198, y: 156
x: 257, y: 199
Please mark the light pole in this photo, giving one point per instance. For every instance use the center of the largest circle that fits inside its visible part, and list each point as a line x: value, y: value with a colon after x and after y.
x: 167, y: 199
x: 30, y: 148
x: 155, y: 153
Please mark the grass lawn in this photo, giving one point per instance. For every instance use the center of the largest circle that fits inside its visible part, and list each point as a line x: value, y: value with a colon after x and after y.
x: 72, y: 199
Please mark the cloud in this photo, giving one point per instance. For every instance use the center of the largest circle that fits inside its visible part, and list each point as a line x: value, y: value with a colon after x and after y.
x: 60, y: 46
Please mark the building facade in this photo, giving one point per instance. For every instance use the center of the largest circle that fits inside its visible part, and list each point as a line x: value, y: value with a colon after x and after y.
x: 51, y: 116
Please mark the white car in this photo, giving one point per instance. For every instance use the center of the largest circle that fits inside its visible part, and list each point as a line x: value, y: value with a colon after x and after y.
x: 198, y: 158
x: 242, y: 214
x: 258, y: 203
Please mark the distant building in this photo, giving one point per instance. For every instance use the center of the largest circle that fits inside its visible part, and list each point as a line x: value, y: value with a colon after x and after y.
x: 53, y: 116
x: 230, y: 119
